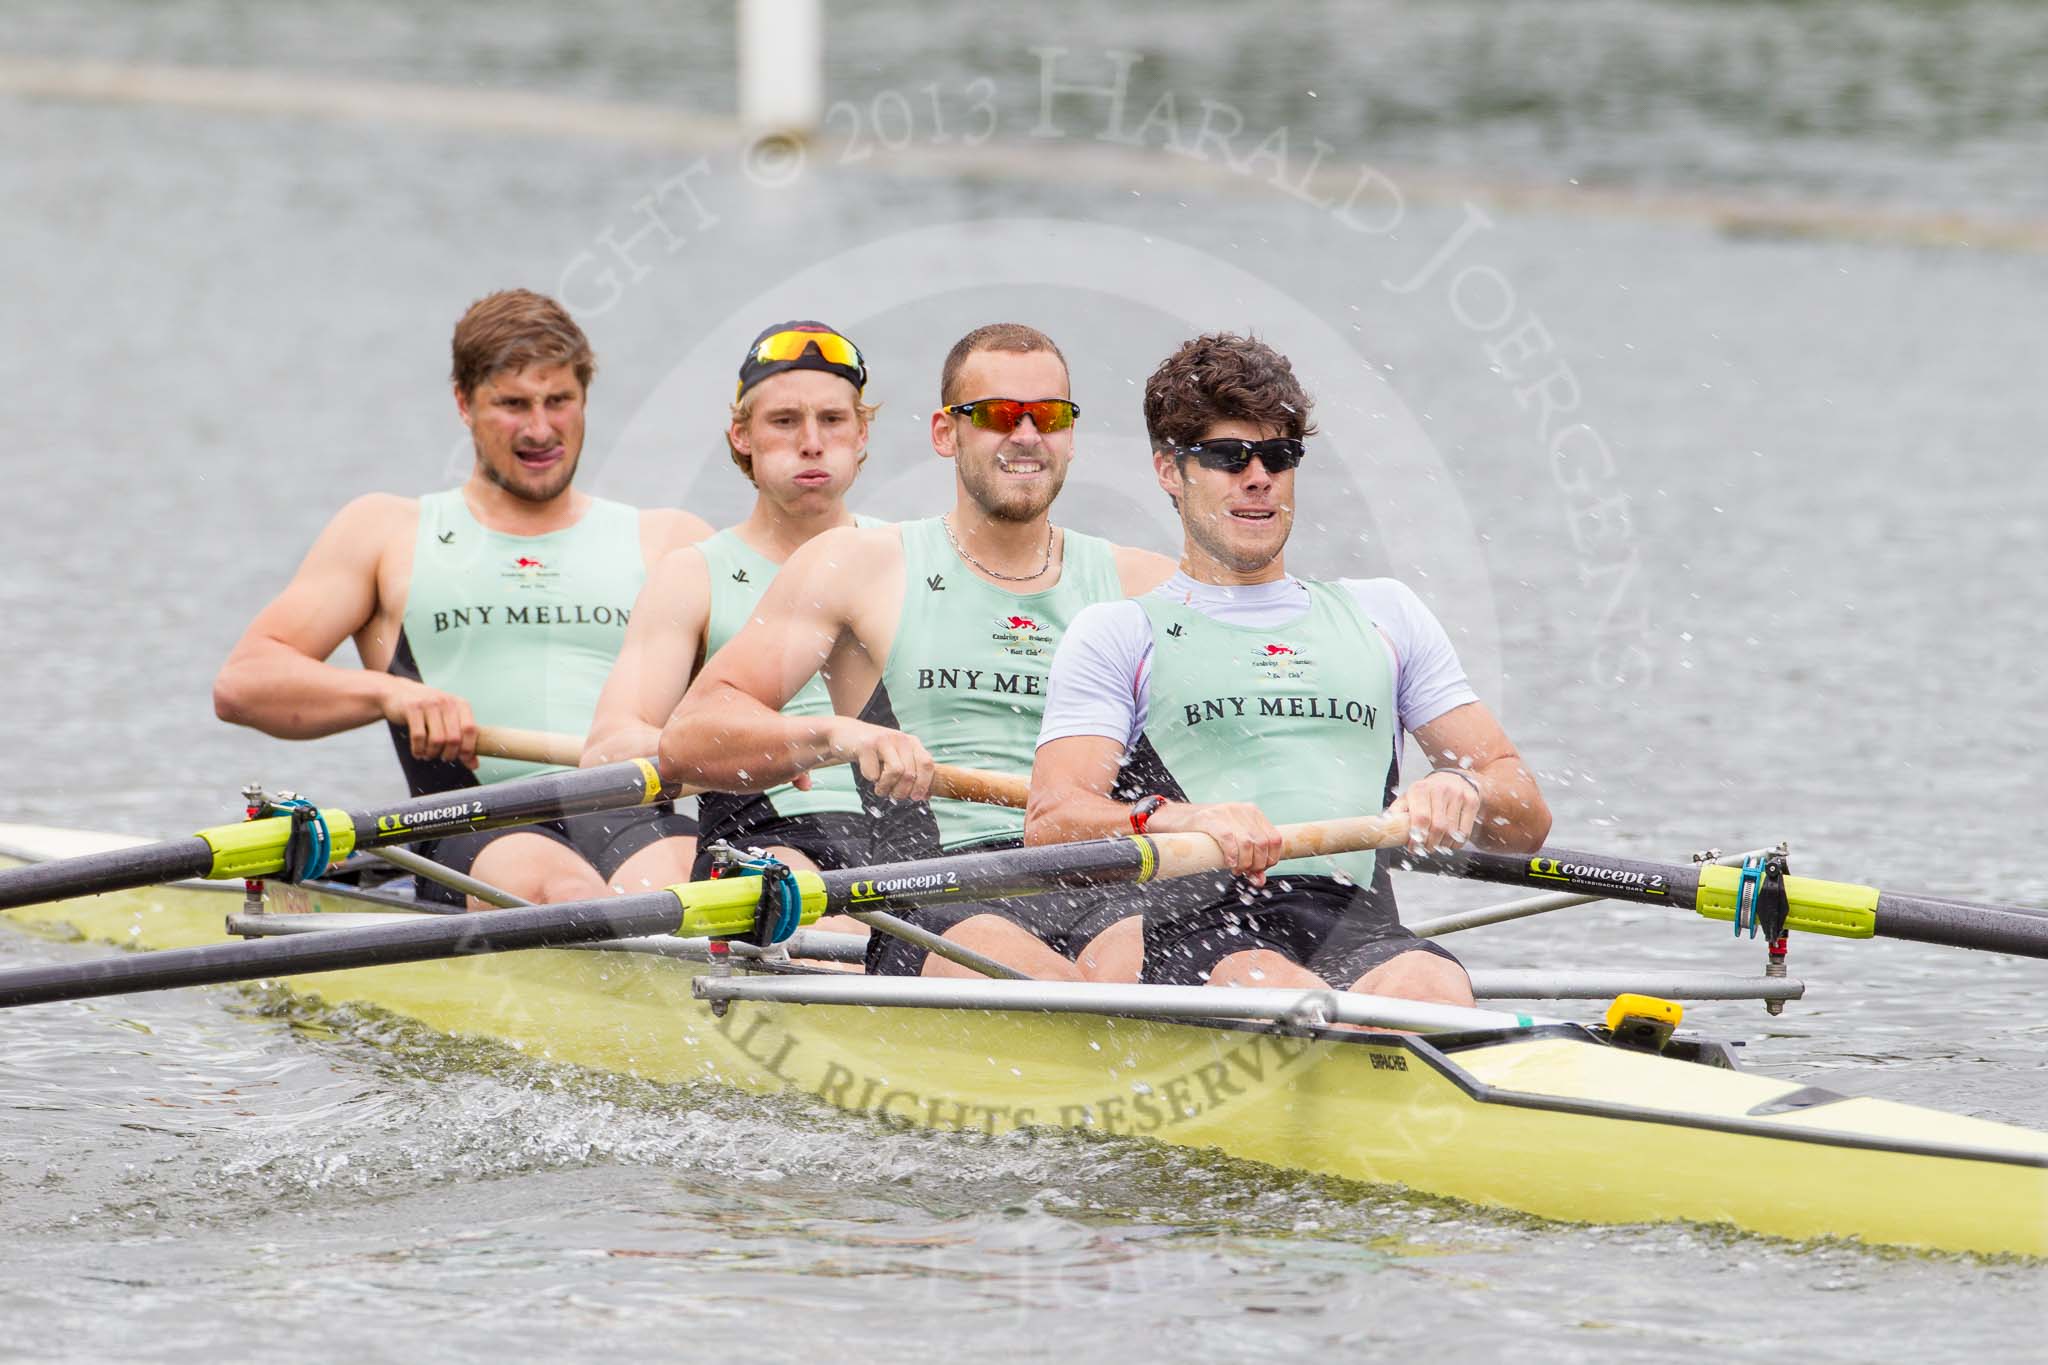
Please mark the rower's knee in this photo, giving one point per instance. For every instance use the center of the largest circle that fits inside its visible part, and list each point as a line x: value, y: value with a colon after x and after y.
x: 1255, y: 967
x: 665, y: 862
x: 537, y: 869
x: 1418, y: 975
x: 1117, y: 953
x: 995, y: 937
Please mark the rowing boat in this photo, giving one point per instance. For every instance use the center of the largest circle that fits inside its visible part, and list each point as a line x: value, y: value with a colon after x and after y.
x: 1555, y: 1119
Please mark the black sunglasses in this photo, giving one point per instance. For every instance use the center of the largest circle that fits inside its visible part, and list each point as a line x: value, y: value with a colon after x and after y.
x: 1233, y: 455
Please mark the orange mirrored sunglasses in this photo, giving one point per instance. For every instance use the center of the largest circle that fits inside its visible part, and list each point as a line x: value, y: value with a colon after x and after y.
x: 1003, y: 414
x: 836, y: 349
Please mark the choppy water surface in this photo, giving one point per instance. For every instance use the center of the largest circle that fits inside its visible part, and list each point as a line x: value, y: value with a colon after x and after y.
x: 1799, y: 601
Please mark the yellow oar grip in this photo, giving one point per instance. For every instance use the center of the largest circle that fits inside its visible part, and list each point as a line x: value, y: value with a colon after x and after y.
x: 652, y: 781
x: 724, y: 906
x: 255, y: 848
x: 1839, y: 909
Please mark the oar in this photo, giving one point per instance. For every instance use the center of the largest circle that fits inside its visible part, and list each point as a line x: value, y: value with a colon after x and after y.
x: 723, y: 908
x: 1839, y: 909
x: 529, y: 746
x: 543, y: 746
x: 256, y: 848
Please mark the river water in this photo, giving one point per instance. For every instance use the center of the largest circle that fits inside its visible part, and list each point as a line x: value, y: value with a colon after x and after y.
x: 1684, y: 357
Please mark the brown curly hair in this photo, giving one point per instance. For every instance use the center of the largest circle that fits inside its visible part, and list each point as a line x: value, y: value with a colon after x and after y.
x: 1224, y: 377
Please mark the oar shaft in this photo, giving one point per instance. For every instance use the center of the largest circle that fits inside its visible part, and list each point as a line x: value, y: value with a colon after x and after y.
x: 545, y: 796
x: 1920, y: 919
x: 1817, y: 906
x: 142, y: 865
x: 403, y: 940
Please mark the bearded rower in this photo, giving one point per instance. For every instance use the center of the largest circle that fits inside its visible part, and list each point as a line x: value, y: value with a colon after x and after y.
x: 798, y: 431
x: 507, y: 597
x: 942, y: 632
x: 1235, y: 696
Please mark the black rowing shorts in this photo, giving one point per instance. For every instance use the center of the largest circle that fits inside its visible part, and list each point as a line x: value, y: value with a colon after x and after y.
x: 605, y: 839
x: 829, y: 838
x: 1337, y: 930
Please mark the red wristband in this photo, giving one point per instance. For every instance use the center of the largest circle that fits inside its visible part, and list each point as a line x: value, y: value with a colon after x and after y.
x: 1143, y: 809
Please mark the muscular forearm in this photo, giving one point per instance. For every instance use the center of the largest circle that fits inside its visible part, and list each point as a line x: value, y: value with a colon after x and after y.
x: 620, y: 740
x: 1513, y: 817
x: 274, y: 688
x: 1071, y: 815
x: 726, y: 740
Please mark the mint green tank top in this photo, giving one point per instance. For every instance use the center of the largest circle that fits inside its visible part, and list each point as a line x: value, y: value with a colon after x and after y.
x: 1299, y: 720
x: 967, y: 672
x: 524, y: 628
x: 740, y: 574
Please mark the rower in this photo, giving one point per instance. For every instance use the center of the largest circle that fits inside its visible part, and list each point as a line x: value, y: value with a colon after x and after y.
x: 940, y: 632
x: 1235, y: 695
x: 798, y: 431
x: 507, y: 596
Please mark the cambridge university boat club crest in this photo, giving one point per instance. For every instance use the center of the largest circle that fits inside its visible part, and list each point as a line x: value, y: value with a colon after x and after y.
x: 1276, y: 659
x: 1023, y: 636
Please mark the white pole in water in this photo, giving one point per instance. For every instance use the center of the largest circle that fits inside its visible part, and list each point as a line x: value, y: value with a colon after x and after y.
x: 782, y: 65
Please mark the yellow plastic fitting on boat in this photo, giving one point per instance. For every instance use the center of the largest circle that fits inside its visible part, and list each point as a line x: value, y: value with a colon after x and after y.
x: 1644, y: 1021
x: 1838, y: 909
x: 1648, y: 1006
x: 255, y: 848
x: 724, y: 906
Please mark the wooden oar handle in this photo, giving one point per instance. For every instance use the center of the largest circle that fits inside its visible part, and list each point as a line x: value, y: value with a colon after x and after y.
x: 529, y: 746
x: 976, y: 784
x: 539, y: 746
x: 1183, y: 854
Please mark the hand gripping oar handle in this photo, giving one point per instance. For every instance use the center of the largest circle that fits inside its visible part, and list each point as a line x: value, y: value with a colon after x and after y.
x: 1182, y: 855
x: 566, y: 751
x: 722, y: 908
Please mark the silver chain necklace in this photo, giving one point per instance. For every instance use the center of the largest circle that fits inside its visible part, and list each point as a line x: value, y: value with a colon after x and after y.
x: 961, y: 550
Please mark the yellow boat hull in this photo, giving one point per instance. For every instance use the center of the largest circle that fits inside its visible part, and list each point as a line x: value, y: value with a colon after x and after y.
x: 1549, y: 1121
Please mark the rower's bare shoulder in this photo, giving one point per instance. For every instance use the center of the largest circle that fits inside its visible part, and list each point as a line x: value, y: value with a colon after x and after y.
x: 681, y: 573
x: 367, y: 529
x: 839, y: 575
x: 664, y: 530
x: 389, y: 511
x: 850, y: 550
x: 1141, y: 570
